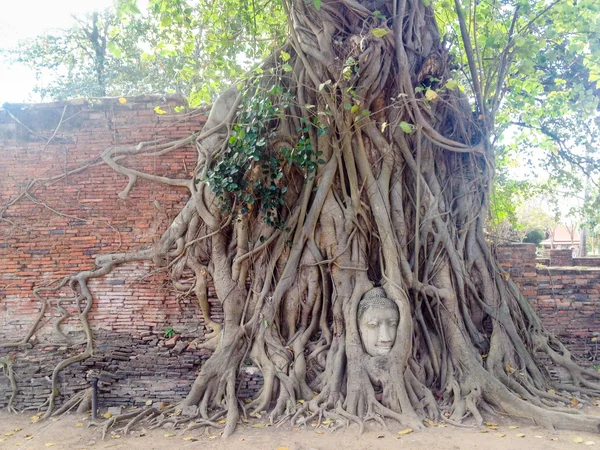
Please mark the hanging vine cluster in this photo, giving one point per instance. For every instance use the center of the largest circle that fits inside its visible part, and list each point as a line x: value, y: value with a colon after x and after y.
x: 350, y: 160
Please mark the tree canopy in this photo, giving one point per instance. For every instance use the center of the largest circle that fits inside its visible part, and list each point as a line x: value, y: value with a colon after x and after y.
x: 532, y: 69
x: 339, y: 203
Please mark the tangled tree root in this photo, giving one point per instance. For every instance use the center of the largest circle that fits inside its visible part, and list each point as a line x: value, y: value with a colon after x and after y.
x: 318, y: 180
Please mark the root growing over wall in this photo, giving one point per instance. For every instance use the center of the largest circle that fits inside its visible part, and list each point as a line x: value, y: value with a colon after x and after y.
x: 359, y: 180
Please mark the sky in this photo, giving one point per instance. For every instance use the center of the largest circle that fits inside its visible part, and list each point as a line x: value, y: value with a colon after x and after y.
x: 22, y: 19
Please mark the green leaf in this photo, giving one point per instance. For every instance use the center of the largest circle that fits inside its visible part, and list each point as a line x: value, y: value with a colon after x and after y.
x: 287, y: 68
x: 430, y: 94
x: 451, y: 84
x: 354, y: 109
x: 317, y: 4
x: 158, y: 110
x: 406, y: 127
x: 379, y: 32
x: 284, y: 55
x: 114, y: 49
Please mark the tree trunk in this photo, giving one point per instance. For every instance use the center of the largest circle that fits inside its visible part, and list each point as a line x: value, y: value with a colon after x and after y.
x: 344, y: 164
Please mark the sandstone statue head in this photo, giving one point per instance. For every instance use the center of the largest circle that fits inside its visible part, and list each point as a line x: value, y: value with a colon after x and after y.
x: 377, y: 322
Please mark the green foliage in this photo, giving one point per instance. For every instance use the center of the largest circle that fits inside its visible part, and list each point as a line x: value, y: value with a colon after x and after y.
x: 507, y: 193
x: 248, y: 146
x: 248, y: 174
x: 537, y: 66
x: 100, y: 56
x: 214, y: 43
x: 536, y: 78
x: 169, y: 332
x: 535, y: 237
x: 195, y: 48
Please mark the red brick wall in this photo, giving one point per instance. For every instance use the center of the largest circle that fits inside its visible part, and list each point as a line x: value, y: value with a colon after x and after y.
x: 519, y: 261
x: 588, y: 261
x: 567, y: 299
x: 68, y: 222
x: 561, y: 257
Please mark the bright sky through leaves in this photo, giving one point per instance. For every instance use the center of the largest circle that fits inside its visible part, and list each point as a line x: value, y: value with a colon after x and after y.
x: 26, y: 19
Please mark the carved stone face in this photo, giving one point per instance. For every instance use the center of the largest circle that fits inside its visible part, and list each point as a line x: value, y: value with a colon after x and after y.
x: 377, y: 324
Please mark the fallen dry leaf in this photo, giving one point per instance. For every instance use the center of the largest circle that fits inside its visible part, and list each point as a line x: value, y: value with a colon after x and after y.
x: 107, y: 415
x: 484, y: 431
x: 169, y: 434
x: 520, y: 435
x: 578, y: 440
x: 50, y: 444
x: 513, y: 427
x: 554, y: 439
x: 574, y: 401
x: 320, y: 432
x: 212, y: 437
x: 538, y: 436
x: 2, y: 439
x: 259, y: 425
x: 223, y: 421
x: 190, y: 438
x: 255, y: 414
x: 148, y: 402
x: 327, y: 422
x: 35, y: 418
x: 500, y: 435
x: 116, y: 436
x: 17, y: 429
x: 589, y: 443
x: 9, y: 433
x: 78, y: 425
x: 405, y: 431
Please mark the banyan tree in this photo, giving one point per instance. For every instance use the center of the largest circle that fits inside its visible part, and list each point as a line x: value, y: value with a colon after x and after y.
x: 339, y: 205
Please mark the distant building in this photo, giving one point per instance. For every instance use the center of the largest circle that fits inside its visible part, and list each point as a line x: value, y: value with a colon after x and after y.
x: 562, y: 237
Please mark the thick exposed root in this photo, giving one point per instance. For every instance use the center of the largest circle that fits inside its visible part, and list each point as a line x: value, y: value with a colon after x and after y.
x: 352, y: 179
x: 6, y: 364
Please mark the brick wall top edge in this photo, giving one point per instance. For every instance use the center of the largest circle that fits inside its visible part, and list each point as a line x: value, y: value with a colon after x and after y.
x: 98, y: 101
x: 570, y: 269
x: 517, y: 245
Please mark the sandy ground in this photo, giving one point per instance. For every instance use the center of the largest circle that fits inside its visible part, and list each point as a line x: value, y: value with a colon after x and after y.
x: 71, y: 432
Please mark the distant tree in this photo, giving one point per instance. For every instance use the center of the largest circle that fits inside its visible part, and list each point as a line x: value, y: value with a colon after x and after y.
x: 535, y: 237
x: 101, y: 55
x: 194, y: 49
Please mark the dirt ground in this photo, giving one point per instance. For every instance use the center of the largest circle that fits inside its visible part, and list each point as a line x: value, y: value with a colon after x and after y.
x: 71, y: 432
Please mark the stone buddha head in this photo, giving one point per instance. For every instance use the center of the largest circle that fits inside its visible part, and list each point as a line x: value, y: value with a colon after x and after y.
x: 377, y: 322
